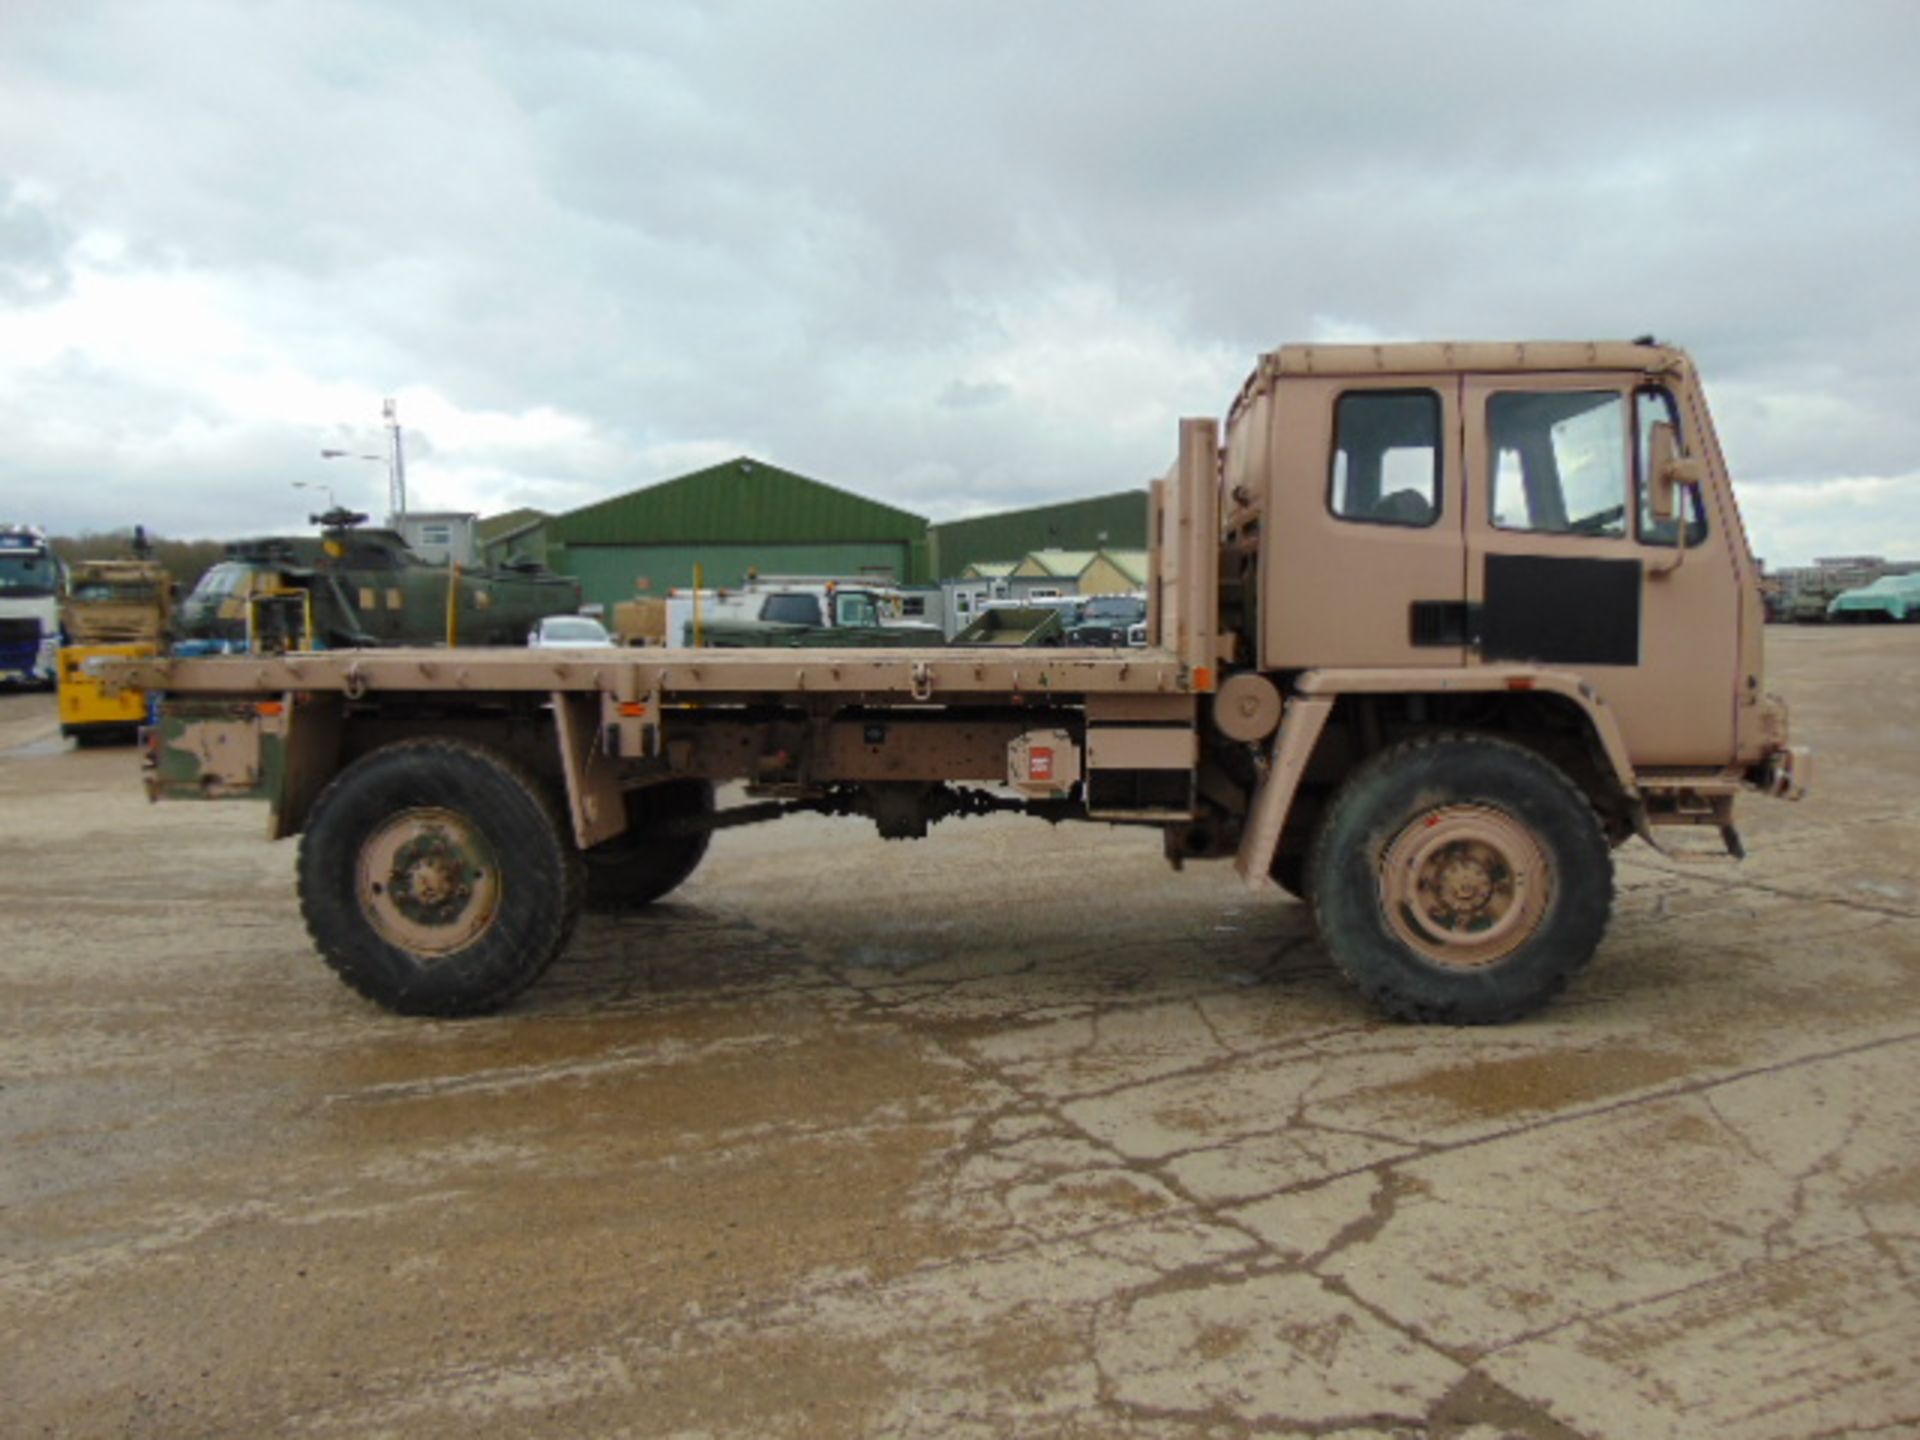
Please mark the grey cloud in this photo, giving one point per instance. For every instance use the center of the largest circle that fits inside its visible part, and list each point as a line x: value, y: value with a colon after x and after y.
x: 33, y: 250
x: 825, y: 233
x: 974, y: 394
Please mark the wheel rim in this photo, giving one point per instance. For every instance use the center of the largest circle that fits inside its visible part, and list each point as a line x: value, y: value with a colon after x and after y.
x: 1464, y: 885
x: 427, y: 882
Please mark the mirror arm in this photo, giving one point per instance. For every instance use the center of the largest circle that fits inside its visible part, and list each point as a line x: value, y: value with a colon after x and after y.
x: 1681, y: 493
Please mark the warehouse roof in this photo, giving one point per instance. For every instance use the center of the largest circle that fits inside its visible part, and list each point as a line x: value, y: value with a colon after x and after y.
x: 742, y: 500
x: 1060, y: 564
x: 507, y: 522
x: 1118, y: 519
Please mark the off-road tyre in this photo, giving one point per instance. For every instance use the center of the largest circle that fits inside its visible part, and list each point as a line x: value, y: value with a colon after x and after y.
x: 438, y: 877
x: 639, y: 866
x: 1460, y: 879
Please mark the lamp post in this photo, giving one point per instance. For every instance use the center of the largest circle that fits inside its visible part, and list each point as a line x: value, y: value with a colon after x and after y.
x: 395, y: 460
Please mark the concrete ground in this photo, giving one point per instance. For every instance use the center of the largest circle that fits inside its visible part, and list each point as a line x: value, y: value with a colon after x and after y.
x: 1010, y: 1132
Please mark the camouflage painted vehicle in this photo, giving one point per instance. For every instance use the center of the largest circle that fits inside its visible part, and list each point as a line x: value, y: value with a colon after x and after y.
x: 352, y: 587
x: 1890, y: 598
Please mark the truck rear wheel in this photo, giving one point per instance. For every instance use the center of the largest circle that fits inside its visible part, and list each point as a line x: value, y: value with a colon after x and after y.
x: 1461, y: 880
x: 640, y: 865
x: 437, y: 878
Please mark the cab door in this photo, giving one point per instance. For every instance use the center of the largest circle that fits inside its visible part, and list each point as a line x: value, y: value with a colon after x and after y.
x: 1361, y: 550
x: 1567, y: 569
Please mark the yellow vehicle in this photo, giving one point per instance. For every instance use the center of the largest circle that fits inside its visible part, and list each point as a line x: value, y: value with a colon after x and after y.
x: 89, y: 713
x: 113, y: 609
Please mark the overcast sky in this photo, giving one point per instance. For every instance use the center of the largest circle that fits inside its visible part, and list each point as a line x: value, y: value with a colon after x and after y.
x: 955, y: 257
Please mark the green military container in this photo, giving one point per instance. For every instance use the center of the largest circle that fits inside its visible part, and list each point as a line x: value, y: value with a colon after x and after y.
x: 1015, y: 625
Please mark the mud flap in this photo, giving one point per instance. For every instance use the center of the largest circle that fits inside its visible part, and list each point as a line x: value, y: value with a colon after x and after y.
x: 1300, y: 726
x: 595, y: 801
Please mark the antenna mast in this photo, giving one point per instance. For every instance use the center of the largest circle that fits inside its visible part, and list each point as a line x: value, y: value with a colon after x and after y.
x: 396, y: 464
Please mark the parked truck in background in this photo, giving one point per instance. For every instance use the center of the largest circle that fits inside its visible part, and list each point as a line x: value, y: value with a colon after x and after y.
x: 797, y: 613
x: 1109, y: 620
x: 112, y: 609
x: 31, y: 579
x: 1432, y: 630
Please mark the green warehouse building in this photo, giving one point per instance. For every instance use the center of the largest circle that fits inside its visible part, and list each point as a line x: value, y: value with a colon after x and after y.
x: 745, y: 515
x: 729, y: 519
x: 1104, y: 522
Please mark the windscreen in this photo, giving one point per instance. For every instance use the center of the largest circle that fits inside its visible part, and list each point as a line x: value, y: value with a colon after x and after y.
x: 26, y: 573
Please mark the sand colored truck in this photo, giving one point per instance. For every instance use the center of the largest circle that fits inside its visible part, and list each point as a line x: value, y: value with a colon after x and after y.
x: 1433, y: 629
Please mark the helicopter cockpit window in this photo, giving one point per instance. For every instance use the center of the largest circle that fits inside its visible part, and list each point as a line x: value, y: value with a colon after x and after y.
x: 220, y: 580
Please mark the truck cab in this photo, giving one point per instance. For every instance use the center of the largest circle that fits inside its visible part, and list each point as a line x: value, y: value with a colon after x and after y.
x: 1462, y: 506
x: 31, y: 581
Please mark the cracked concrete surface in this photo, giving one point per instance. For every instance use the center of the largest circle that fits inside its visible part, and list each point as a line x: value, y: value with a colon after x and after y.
x: 1012, y: 1132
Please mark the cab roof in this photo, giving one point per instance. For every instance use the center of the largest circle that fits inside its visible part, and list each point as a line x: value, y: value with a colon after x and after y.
x: 1429, y: 356
x: 1454, y: 357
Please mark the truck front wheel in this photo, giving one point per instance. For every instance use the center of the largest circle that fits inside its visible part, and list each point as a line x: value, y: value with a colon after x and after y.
x: 1461, y: 880
x: 640, y: 865
x: 437, y: 878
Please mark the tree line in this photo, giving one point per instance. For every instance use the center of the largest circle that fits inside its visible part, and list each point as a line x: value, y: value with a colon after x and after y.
x: 186, y: 560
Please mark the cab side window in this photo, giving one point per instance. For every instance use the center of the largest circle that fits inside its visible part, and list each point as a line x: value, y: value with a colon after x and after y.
x: 1386, y: 457
x: 1558, y: 461
x: 1651, y: 405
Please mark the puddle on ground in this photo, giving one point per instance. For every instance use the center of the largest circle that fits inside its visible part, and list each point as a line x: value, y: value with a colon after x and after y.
x: 36, y: 749
x: 1534, y: 1083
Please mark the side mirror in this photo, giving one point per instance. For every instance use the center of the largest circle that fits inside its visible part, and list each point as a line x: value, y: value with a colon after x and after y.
x: 1670, y: 470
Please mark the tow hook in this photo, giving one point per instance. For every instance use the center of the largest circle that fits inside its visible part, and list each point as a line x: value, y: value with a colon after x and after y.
x: 1788, y: 772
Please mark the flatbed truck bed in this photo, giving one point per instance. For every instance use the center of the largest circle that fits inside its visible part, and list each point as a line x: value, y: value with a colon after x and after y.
x: 904, y: 676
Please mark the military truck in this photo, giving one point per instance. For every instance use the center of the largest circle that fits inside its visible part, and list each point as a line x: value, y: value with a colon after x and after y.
x: 352, y: 586
x: 1433, y: 629
x: 113, y: 609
